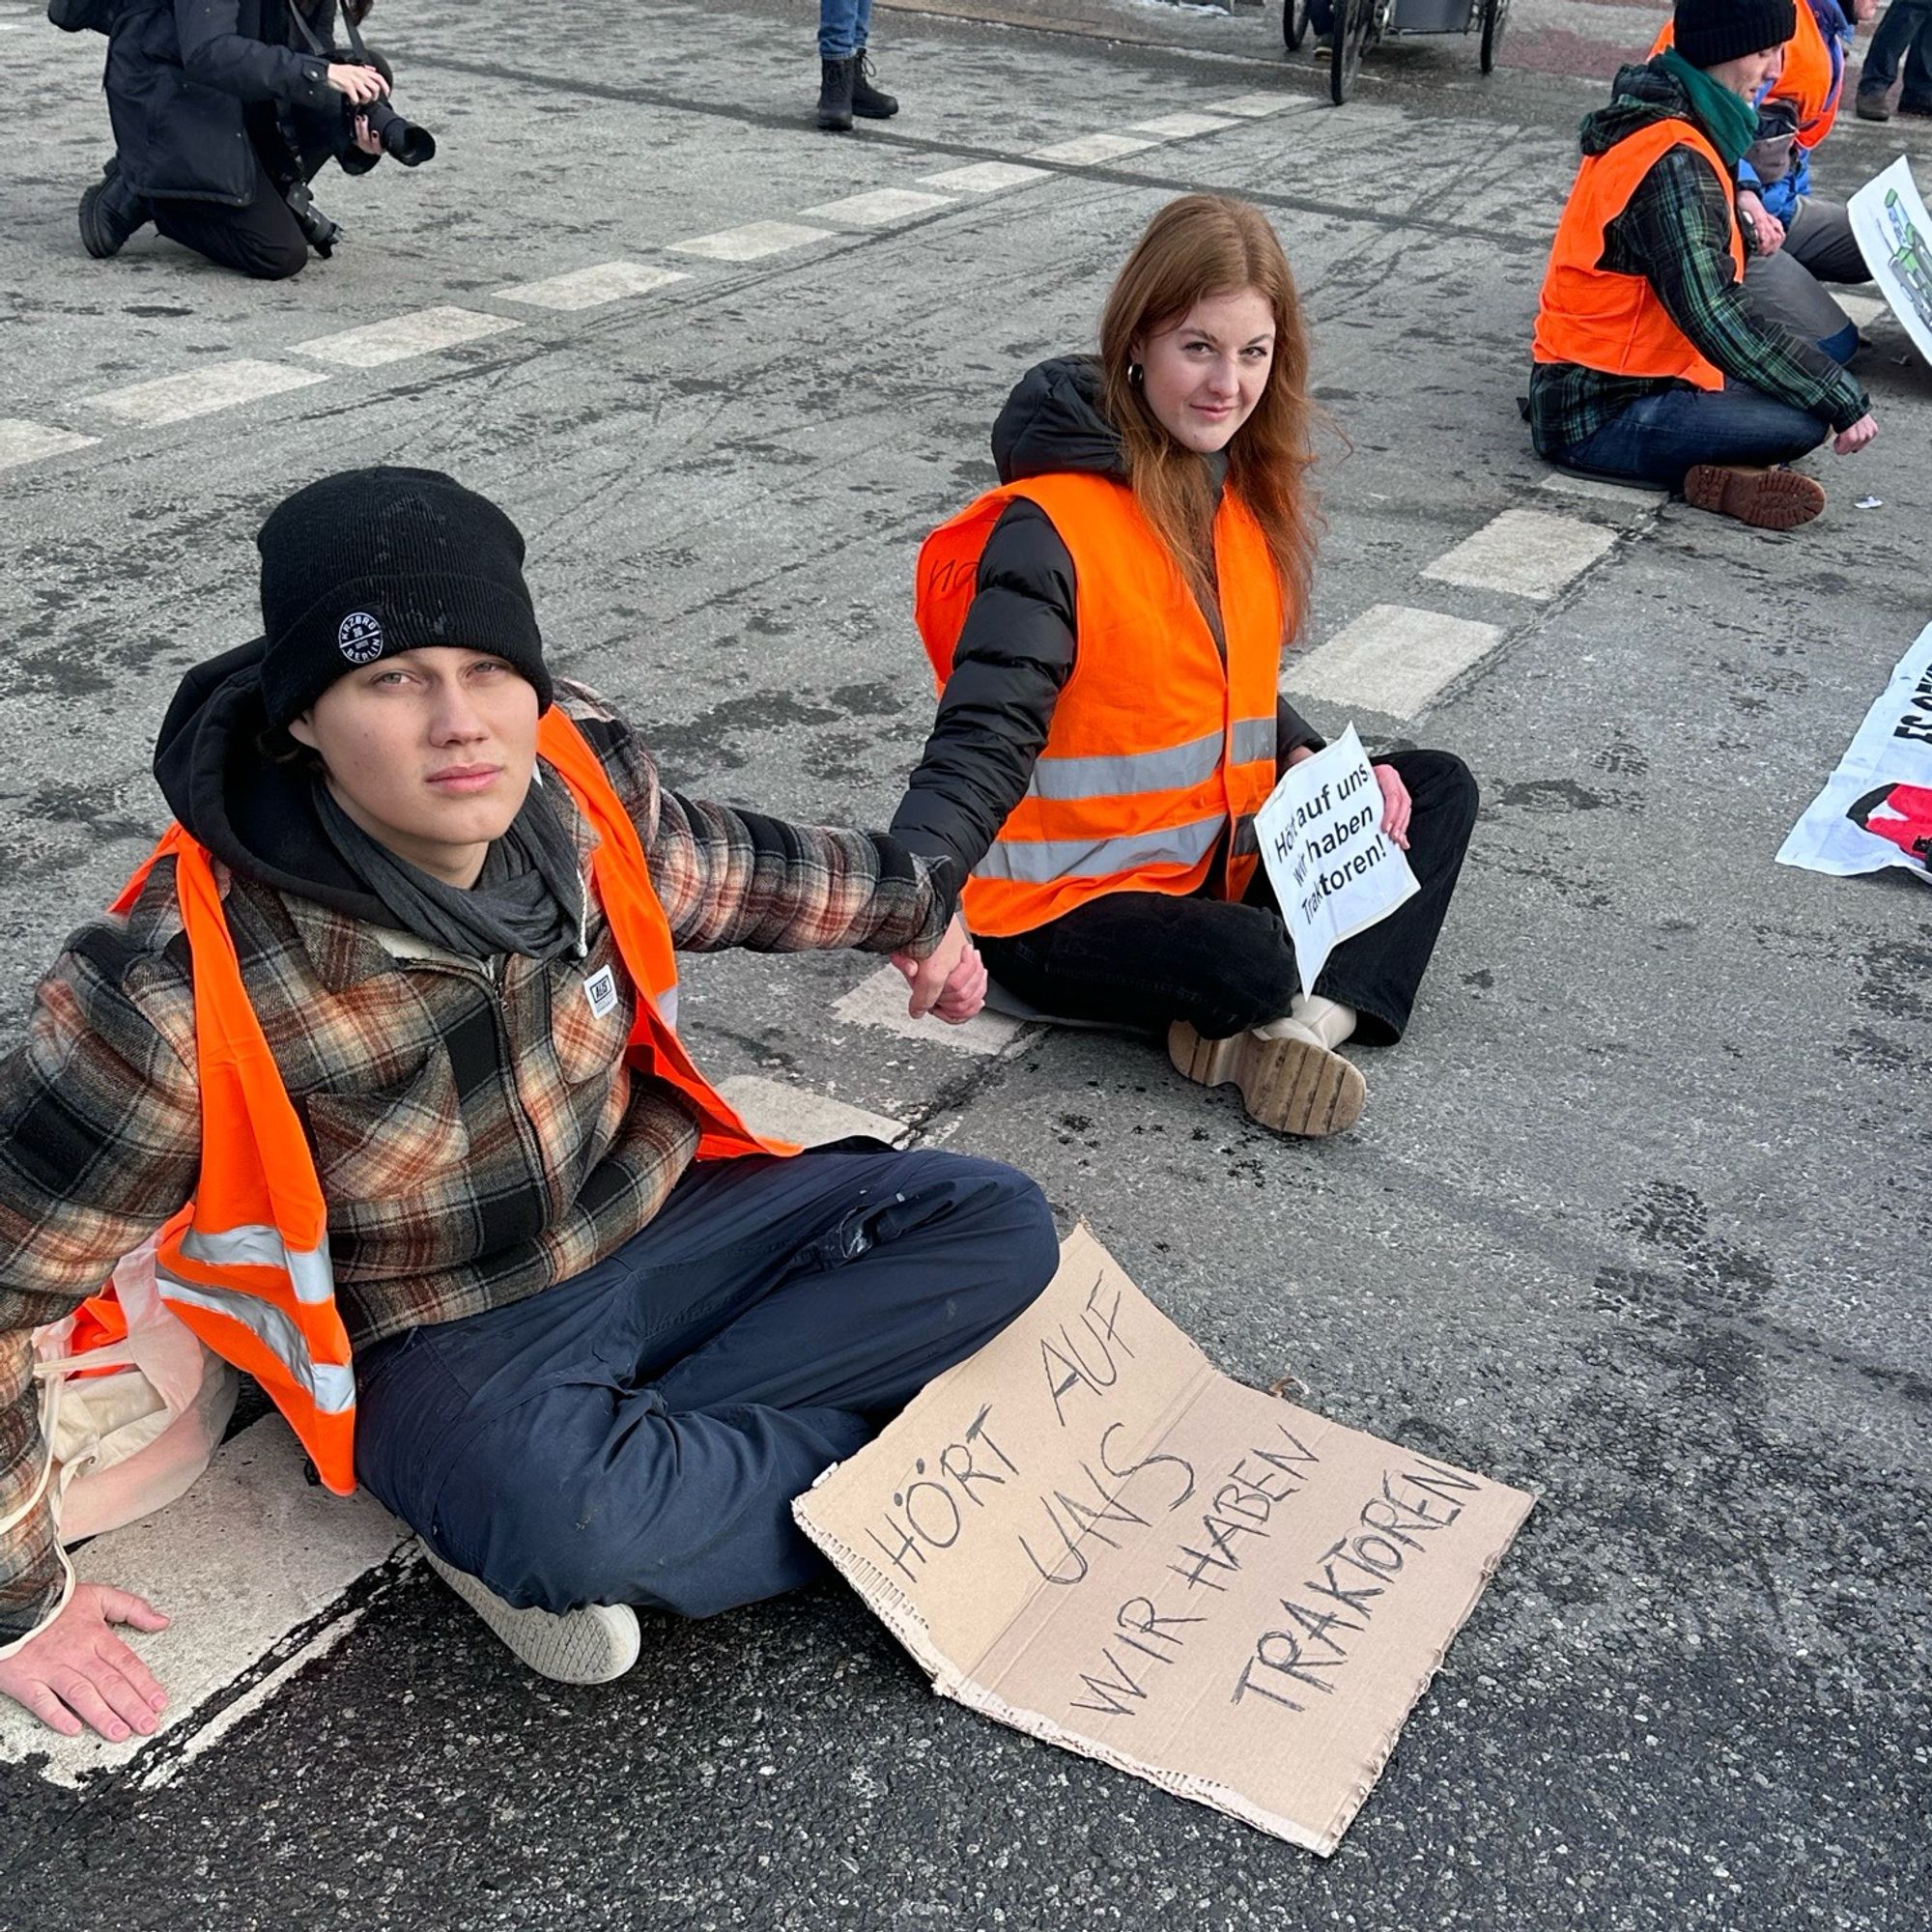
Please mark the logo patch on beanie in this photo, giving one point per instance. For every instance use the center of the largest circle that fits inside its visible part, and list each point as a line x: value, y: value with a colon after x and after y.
x: 359, y: 638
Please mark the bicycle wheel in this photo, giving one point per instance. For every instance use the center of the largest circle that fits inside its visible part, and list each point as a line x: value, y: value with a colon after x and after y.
x: 1352, y: 19
x: 1293, y: 23
x: 1495, y: 17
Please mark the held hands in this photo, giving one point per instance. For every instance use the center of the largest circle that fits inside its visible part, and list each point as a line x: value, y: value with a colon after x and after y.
x: 362, y: 85
x: 1396, y: 804
x: 1849, y: 442
x: 950, y: 982
x: 1768, y: 228
x: 77, y: 1674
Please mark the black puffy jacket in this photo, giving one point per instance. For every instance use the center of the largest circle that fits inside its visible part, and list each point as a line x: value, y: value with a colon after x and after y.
x: 1016, y: 649
x: 186, y: 79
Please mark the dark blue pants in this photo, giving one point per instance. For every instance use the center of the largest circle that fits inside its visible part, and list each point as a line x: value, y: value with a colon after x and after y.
x: 637, y: 1434
x: 1659, y: 437
x: 1905, y: 31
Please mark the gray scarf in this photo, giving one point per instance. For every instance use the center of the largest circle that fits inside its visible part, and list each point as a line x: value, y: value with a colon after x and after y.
x: 528, y: 898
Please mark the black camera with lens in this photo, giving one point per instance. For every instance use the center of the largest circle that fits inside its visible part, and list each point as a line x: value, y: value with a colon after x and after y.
x: 402, y: 140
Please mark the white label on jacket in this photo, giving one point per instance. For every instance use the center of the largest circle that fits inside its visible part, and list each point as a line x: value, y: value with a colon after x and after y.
x: 600, y: 991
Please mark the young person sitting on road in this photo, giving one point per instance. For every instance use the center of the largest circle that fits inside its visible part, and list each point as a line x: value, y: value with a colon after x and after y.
x: 1798, y: 240
x: 222, y: 115
x: 382, y: 1043
x: 1649, y: 362
x: 1107, y: 626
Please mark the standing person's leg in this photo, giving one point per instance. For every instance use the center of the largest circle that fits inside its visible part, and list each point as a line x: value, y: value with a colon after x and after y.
x: 1895, y: 35
x: 1915, y: 96
x: 837, y: 62
x: 636, y: 1436
x: 867, y: 101
x: 261, y: 238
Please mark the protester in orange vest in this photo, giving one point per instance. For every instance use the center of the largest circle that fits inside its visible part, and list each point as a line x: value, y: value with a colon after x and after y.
x: 1107, y: 628
x: 1648, y: 360
x: 1798, y: 239
x: 383, y: 1042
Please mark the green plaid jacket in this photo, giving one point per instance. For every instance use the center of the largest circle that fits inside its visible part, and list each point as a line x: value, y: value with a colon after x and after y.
x: 477, y: 1134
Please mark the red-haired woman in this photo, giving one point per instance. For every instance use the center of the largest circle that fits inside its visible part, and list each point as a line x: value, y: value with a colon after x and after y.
x: 1108, y: 627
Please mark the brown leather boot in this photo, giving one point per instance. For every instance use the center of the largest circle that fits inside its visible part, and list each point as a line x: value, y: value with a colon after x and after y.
x: 1768, y: 499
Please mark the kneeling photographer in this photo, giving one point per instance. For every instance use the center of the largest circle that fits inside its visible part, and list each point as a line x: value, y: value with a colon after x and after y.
x: 223, y: 111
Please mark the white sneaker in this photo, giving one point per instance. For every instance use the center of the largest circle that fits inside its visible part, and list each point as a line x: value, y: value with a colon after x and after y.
x: 587, y: 1646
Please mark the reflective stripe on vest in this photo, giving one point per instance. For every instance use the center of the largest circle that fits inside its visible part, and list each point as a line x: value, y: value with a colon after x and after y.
x: 1593, y: 316
x: 1813, y: 79
x: 1156, y: 747
x: 245, y: 1263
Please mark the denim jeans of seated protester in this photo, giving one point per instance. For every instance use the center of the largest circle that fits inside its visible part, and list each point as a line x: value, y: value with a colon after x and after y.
x: 843, y: 27
x: 1659, y: 437
x: 637, y: 1434
x: 1144, y: 961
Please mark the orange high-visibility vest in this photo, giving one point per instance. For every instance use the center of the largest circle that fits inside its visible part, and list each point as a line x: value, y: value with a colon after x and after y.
x: 1156, y: 747
x: 245, y: 1263
x: 1807, y: 80
x: 1601, y: 320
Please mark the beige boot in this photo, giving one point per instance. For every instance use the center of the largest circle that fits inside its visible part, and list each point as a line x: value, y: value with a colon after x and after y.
x: 1290, y: 1078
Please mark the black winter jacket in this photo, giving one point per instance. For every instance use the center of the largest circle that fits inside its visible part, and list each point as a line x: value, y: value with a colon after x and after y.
x: 1016, y: 649
x: 187, y: 81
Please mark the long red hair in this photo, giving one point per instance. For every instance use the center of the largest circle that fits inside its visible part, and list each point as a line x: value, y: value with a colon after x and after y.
x: 1197, y: 246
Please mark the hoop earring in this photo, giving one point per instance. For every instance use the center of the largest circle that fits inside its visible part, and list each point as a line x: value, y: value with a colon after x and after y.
x: 1134, y: 374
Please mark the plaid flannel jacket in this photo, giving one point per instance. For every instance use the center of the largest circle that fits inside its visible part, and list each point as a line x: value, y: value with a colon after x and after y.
x: 477, y: 1134
x: 1676, y: 231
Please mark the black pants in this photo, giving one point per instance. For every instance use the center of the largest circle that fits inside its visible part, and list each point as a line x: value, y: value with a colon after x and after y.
x: 261, y: 238
x: 1147, y: 959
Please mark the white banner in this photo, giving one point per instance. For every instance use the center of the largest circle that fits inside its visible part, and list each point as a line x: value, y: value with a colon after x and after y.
x: 1332, y: 870
x: 1896, y: 239
x: 1876, y: 809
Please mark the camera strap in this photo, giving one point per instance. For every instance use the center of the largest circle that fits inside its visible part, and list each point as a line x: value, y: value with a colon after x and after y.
x: 317, y: 46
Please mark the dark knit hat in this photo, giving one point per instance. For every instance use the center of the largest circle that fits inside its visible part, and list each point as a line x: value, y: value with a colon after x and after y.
x: 374, y: 562
x: 1710, y: 32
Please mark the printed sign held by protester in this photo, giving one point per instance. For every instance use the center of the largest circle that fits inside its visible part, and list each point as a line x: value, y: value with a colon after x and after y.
x: 1332, y: 870
x: 1896, y: 239
x: 1876, y: 808
x: 1088, y: 1533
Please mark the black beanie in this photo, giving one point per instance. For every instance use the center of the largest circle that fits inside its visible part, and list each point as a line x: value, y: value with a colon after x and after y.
x: 1710, y: 32
x: 374, y: 562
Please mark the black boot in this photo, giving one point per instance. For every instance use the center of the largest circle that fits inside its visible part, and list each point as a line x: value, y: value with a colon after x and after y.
x: 867, y: 100
x: 835, y: 94
x: 110, y: 211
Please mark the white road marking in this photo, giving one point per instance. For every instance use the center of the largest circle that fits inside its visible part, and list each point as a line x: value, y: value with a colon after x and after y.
x: 1863, y: 310
x: 1525, y: 553
x: 1600, y: 490
x: 1391, y: 658
x: 986, y: 177
x: 592, y: 287
x: 751, y: 241
x: 880, y: 1001
x: 421, y: 334
x: 1084, y: 148
x: 878, y: 209
x: 786, y: 1112
x: 220, y: 385
x: 251, y: 1553
x: 1179, y: 126
x: 28, y: 441
x: 1253, y: 106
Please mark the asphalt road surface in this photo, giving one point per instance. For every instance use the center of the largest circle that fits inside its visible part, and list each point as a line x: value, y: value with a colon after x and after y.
x: 1636, y: 1217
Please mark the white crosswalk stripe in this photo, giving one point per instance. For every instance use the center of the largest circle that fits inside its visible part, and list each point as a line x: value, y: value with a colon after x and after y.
x: 880, y: 1001
x: 1524, y: 554
x: 592, y: 287
x: 1085, y: 149
x: 1180, y: 127
x: 401, y: 336
x: 1600, y: 490
x: 786, y: 1112
x: 879, y: 208
x: 751, y: 242
x: 986, y: 177
x: 1392, y: 659
x: 23, y: 441
x: 221, y: 385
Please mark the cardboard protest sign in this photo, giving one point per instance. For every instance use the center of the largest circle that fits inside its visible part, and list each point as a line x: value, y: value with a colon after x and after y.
x: 1896, y: 239
x: 1332, y: 870
x: 1876, y: 808
x: 1088, y: 1533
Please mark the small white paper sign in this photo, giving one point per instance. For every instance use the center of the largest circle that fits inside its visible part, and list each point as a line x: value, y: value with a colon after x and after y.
x: 1895, y: 238
x: 1332, y: 870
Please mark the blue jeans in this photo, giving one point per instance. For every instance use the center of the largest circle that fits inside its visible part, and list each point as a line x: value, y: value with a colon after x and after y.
x: 1659, y: 437
x: 637, y: 1434
x: 843, y: 26
x: 1907, y: 30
